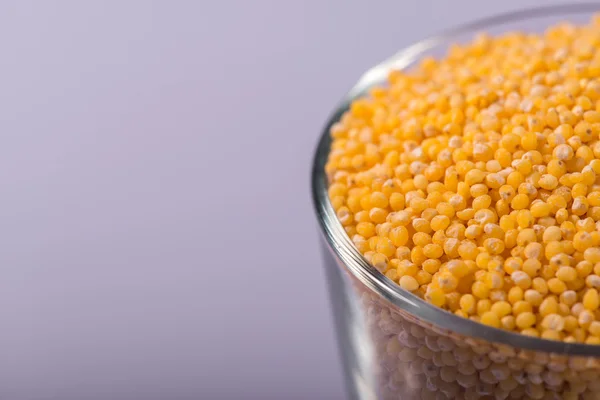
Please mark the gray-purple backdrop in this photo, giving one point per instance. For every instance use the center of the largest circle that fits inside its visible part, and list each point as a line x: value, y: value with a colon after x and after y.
x: 157, y: 239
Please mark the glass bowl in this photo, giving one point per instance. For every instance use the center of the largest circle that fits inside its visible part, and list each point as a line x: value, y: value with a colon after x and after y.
x: 393, y: 344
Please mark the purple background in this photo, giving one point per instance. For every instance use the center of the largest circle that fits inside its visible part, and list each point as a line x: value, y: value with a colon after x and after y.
x: 157, y: 239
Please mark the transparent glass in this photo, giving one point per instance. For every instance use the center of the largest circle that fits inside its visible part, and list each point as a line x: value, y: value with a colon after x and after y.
x: 396, y: 346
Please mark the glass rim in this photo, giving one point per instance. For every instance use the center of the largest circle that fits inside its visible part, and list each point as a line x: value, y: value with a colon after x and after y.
x: 344, y: 248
